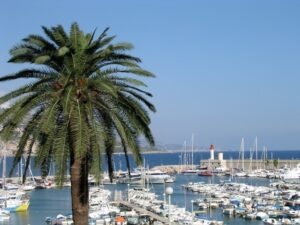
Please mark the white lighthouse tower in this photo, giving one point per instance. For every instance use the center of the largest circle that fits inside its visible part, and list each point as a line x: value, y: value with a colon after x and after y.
x: 212, y: 152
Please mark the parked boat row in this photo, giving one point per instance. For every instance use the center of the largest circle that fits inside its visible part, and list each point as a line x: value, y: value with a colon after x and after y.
x: 286, y: 174
x: 149, y: 201
x: 103, y: 211
x: 13, y: 198
x: 141, y: 175
x: 247, y: 201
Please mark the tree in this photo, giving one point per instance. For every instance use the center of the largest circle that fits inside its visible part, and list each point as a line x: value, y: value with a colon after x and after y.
x: 275, y: 163
x: 267, y: 162
x: 81, y: 96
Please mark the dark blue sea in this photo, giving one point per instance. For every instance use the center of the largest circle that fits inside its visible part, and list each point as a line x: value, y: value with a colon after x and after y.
x: 152, y: 160
x: 50, y: 202
x: 157, y: 159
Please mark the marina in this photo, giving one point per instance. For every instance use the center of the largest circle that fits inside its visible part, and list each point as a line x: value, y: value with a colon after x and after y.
x: 57, y: 203
x: 150, y: 113
x: 195, y: 199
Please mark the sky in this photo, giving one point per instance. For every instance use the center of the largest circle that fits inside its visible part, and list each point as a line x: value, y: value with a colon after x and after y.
x: 224, y: 69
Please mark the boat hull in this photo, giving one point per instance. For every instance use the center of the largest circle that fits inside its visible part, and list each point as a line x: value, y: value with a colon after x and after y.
x: 18, y: 208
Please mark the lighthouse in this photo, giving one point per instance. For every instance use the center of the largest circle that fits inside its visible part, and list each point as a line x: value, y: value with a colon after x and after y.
x: 212, y: 151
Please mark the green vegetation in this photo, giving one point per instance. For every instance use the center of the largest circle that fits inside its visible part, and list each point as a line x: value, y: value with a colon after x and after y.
x: 81, y: 96
x: 275, y: 163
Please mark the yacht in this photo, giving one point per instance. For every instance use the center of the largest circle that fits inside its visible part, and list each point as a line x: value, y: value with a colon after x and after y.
x: 139, y: 176
x: 190, y: 171
x: 205, y: 173
x: 157, y: 177
x: 134, y: 178
x: 292, y: 175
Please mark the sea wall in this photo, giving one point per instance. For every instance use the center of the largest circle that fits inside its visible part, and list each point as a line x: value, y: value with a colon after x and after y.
x: 229, y: 164
x: 249, y: 164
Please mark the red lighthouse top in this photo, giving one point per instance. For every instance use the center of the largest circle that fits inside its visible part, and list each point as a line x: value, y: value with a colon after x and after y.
x: 212, y: 147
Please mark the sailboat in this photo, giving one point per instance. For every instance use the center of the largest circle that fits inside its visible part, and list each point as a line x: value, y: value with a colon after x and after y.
x: 15, y: 201
x: 241, y: 156
x: 190, y: 170
x: 27, y: 186
x: 251, y: 172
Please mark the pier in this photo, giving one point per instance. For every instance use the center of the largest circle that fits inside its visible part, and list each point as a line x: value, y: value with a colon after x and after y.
x: 140, y: 210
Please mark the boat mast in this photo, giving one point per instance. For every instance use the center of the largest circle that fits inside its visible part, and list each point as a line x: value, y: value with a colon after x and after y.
x: 4, y: 167
x: 266, y: 155
x: 242, y: 153
x: 180, y: 160
x: 231, y: 174
x: 146, y: 177
x: 251, y: 156
x: 185, y: 156
x: 30, y: 171
x: 21, y: 169
x: 256, y: 152
x: 192, y: 151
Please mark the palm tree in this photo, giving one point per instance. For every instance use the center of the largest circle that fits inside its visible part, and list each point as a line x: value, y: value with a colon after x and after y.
x: 81, y: 97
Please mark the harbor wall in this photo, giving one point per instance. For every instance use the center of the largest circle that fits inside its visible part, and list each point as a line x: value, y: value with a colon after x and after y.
x: 248, y: 164
x: 230, y: 164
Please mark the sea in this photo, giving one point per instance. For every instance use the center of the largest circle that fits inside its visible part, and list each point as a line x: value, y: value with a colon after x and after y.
x: 51, y: 202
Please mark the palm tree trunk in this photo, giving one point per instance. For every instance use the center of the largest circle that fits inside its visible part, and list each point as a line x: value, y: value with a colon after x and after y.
x: 79, y: 190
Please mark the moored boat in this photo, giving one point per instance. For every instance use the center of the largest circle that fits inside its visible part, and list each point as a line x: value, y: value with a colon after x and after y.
x: 16, y: 205
x: 272, y: 221
x: 16, y: 202
x: 205, y: 173
x: 4, y: 215
x: 292, y: 175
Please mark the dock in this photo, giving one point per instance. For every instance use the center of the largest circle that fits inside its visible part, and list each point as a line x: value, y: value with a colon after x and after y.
x: 140, y: 210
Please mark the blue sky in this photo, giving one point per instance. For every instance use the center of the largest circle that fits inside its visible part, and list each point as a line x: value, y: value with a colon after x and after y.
x: 225, y: 69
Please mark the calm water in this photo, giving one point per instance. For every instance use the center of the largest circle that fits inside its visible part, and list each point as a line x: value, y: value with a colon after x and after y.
x: 155, y: 159
x: 53, y: 201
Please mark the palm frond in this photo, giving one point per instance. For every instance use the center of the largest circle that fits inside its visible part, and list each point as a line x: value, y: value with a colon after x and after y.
x: 83, y: 93
x: 61, y: 153
x: 28, y: 135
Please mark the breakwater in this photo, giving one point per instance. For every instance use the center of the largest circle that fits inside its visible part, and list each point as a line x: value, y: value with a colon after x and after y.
x: 232, y: 164
x: 250, y: 164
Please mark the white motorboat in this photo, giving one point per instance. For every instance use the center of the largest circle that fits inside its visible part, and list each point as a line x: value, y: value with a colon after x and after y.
x: 272, y: 221
x: 156, y: 177
x: 4, y: 215
x: 292, y: 175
